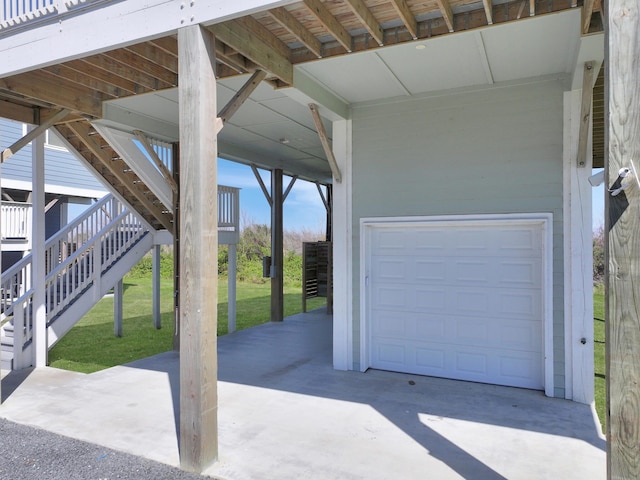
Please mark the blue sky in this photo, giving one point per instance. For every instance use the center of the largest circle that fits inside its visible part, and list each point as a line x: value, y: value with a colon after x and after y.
x: 598, y: 204
x: 303, y: 207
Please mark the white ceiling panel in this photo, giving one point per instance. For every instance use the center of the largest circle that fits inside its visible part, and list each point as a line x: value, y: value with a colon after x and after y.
x: 439, y: 64
x: 539, y: 46
x: 296, y: 111
x: 296, y: 135
x: 356, y: 78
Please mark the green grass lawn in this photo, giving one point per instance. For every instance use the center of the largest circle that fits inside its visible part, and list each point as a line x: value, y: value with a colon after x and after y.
x: 598, y: 339
x: 91, y: 345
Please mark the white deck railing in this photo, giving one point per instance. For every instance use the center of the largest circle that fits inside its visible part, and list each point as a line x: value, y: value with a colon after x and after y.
x: 16, y: 220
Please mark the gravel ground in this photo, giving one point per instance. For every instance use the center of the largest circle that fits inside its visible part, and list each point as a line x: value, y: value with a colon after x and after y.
x: 30, y: 453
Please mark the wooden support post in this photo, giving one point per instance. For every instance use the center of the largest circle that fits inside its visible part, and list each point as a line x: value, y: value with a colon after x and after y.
x: 622, y: 223
x: 155, y: 274
x: 585, y: 112
x: 198, y: 249
x: 176, y: 248
x: 40, y: 343
x: 277, y: 263
x: 118, y: 292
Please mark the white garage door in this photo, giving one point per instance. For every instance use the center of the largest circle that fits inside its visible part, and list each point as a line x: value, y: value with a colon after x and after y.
x: 458, y: 300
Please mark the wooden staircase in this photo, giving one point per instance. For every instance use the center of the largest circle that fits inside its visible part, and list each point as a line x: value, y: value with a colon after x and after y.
x: 105, y: 162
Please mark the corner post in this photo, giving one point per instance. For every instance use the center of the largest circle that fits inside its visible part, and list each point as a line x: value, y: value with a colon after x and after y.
x: 198, y: 235
x: 155, y: 274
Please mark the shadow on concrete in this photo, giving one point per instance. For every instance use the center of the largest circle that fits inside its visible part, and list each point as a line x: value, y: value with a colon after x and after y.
x: 12, y: 380
x: 295, y: 356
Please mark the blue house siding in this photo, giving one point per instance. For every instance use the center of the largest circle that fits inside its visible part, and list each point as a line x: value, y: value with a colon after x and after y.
x: 63, y: 172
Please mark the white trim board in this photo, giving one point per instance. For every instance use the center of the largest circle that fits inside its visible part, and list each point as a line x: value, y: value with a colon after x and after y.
x: 543, y: 220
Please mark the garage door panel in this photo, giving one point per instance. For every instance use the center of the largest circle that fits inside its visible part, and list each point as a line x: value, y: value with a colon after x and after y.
x: 460, y: 302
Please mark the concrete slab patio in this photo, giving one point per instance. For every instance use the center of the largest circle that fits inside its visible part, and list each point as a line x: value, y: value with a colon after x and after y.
x: 284, y: 413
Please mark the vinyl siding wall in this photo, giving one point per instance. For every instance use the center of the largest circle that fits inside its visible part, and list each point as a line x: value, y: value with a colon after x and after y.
x: 62, y: 169
x: 492, y: 151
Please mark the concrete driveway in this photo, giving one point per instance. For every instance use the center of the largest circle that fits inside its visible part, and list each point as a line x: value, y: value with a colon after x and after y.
x: 284, y: 413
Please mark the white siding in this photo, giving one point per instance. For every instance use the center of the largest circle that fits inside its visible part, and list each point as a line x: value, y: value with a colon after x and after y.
x: 491, y: 151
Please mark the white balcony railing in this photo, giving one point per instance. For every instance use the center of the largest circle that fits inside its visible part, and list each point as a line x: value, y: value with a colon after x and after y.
x: 15, y: 220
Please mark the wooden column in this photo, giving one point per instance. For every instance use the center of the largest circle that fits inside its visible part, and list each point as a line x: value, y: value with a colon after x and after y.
x: 231, y: 282
x: 40, y: 346
x: 198, y: 249
x: 622, y: 224
x: 118, y: 292
x: 155, y: 274
x: 176, y: 248
x: 277, y: 247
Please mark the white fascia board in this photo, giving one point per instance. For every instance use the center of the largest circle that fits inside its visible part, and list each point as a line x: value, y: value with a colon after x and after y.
x: 591, y: 50
x: 100, y: 26
x: 306, y: 90
x: 54, y: 189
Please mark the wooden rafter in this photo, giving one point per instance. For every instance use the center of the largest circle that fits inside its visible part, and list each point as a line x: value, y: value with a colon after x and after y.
x: 406, y: 16
x: 162, y: 77
x: 329, y: 22
x: 488, y: 10
x: 155, y: 55
x: 295, y: 28
x: 324, y: 139
x: 367, y: 19
x: 80, y: 78
x: 447, y: 13
x: 587, y: 13
x: 249, y: 43
x: 41, y: 85
x: 122, y: 85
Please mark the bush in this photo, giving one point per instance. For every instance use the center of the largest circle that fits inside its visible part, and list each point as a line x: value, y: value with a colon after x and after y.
x: 598, y: 256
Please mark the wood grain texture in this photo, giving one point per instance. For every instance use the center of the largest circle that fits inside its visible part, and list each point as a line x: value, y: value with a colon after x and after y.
x: 623, y: 249
x: 198, y: 250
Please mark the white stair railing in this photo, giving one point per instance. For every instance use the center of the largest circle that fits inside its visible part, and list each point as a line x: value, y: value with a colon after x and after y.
x: 16, y: 220
x: 16, y: 280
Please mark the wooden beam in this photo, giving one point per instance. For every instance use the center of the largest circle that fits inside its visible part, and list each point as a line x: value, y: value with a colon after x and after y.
x: 198, y: 250
x: 587, y: 12
x: 168, y: 176
x: 156, y: 55
x: 289, y: 187
x: 251, y: 46
x: 447, y: 13
x: 585, y: 113
x: 42, y: 86
x: 406, y: 16
x: 622, y: 224
x: 241, y: 96
x: 532, y: 8
x: 368, y: 20
x: 488, y: 10
x: 333, y: 26
x: 263, y: 34
x: 31, y: 134
x: 295, y: 28
x: 335, y: 170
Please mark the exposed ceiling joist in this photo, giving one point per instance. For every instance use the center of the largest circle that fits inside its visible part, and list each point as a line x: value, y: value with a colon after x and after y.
x: 123, y: 85
x: 42, y: 86
x: 295, y: 28
x: 249, y: 43
x: 144, y: 82
x: 407, y: 17
x: 367, y: 19
x: 80, y: 78
x: 162, y: 77
x: 488, y: 10
x: 333, y: 26
x: 587, y: 13
x: 156, y: 55
x: 447, y: 13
